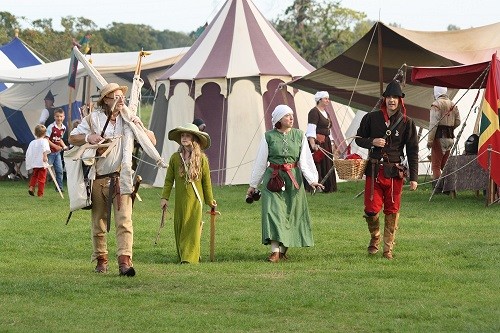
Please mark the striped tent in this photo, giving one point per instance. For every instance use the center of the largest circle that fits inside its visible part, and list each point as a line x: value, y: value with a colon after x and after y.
x: 15, y: 54
x: 230, y: 78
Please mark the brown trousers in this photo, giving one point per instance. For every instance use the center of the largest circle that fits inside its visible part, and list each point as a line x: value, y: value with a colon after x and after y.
x: 122, y: 218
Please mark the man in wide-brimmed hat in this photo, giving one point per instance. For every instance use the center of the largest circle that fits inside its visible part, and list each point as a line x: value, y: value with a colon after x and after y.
x: 385, y: 133
x: 189, y: 170
x: 108, y: 182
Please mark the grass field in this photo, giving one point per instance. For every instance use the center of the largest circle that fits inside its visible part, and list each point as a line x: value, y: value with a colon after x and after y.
x: 444, y: 278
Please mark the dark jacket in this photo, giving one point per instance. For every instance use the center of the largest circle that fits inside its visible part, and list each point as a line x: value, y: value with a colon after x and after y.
x: 405, y: 134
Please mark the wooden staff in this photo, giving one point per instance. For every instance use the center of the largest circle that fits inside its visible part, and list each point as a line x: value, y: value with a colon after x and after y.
x: 213, y: 213
x: 162, y: 223
x: 55, y: 180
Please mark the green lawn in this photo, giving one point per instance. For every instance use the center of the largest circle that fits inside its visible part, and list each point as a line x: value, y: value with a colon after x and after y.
x: 444, y: 278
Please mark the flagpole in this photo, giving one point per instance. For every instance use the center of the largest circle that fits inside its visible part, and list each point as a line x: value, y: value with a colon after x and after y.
x: 489, y: 194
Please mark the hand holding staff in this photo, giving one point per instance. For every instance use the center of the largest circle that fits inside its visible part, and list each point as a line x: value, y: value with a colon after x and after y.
x: 213, y: 213
x: 162, y: 223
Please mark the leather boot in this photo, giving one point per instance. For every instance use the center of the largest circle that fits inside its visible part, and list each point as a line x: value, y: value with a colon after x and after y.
x: 374, y: 228
x: 125, y: 266
x: 389, y: 234
x: 102, y: 264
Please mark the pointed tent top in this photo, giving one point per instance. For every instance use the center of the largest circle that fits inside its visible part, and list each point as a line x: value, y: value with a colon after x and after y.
x: 239, y: 42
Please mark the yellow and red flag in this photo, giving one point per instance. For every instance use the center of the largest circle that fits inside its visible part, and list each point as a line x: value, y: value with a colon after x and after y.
x: 489, y: 131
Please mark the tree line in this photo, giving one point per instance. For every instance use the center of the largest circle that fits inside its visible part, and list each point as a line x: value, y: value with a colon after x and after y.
x: 318, y: 30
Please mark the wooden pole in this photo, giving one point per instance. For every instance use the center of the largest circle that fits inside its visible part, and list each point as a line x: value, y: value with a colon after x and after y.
x: 380, y: 59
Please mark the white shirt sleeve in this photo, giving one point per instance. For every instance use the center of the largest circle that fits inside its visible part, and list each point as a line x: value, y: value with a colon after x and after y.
x: 44, y: 116
x: 311, y: 131
x: 260, y: 164
x: 49, y: 130
x: 306, y: 163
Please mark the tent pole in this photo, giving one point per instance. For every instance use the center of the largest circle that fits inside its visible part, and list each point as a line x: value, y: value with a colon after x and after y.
x: 380, y: 61
x: 70, y: 127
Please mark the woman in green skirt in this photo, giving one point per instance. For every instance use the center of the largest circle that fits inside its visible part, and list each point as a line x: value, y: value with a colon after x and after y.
x: 283, y: 157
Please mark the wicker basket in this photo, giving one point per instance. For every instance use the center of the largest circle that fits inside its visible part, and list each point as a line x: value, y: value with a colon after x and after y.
x: 350, y: 169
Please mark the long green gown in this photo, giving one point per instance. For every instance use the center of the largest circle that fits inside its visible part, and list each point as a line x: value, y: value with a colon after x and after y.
x: 285, y: 215
x: 188, y: 210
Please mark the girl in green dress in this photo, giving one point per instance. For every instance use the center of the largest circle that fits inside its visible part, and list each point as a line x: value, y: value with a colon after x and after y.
x: 189, y: 170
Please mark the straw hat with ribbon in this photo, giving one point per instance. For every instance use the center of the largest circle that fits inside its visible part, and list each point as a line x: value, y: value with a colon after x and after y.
x: 109, y: 88
x: 203, y: 138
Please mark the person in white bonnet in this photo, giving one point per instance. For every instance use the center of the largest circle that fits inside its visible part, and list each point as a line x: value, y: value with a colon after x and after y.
x: 284, y: 151
x: 319, y: 138
x: 443, y: 119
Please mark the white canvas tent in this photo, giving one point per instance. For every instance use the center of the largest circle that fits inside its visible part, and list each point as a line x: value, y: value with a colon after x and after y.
x: 231, y: 78
x: 22, y: 103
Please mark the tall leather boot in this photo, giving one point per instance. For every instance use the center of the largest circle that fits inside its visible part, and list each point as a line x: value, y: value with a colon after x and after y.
x: 389, y: 234
x: 125, y: 266
x: 374, y: 228
x: 102, y: 264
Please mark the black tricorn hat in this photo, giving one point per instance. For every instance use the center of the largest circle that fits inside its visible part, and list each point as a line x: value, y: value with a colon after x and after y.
x: 393, y: 89
x: 49, y: 96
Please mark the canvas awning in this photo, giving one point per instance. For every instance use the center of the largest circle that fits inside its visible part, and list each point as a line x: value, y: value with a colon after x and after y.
x: 355, y: 77
x: 459, y: 77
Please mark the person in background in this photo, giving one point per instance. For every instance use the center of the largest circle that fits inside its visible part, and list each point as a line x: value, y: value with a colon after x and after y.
x: 318, y: 135
x: 189, y: 170
x: 109, y: 190
x: 444, y: 118
x: 55, y: 133
x: 200, y: 123
x: 36, y: 159
x: 284, y: 151
x: 47, y: 115
x: 385, y: 133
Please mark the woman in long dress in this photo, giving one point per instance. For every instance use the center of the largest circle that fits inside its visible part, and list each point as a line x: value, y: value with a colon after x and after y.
x: 189, y: 170
x: 318, y: 135
x: 285, y: 214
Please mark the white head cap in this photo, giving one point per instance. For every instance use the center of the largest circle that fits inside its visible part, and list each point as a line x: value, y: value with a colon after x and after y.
x: 279, y: 112
x: 438, y: 91
x: 320, y: 94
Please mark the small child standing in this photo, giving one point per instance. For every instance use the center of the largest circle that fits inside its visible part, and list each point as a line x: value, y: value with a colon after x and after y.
x: 55, y: 132
x: 190, y: 171
x: 36, y: 159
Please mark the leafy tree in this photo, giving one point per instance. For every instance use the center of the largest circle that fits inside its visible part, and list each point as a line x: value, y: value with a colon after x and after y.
x: 319, y: 30
x: 8, y: 24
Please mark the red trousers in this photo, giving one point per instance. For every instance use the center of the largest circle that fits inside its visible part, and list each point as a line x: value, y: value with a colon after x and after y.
x: 386, y: 193
x: 438, y: 159
x: 39, y: 176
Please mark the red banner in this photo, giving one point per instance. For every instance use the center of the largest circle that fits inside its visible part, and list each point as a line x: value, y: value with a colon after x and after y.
x: 489, y: 133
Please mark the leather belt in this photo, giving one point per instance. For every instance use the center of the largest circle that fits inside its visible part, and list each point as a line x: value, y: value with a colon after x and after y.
x: 108, y: 175
x: 287, y: 167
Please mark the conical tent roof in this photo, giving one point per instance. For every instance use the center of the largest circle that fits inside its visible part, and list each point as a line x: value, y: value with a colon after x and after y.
x: 239, y: 42
x: 232, y: 78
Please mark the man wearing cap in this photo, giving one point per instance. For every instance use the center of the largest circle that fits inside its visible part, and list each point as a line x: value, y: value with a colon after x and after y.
x: 200, y: 123
x: 47, y: 116
x: 385, y: 133
x: 108, y: 183
x: 444, y: 118
x: 319, y: 138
